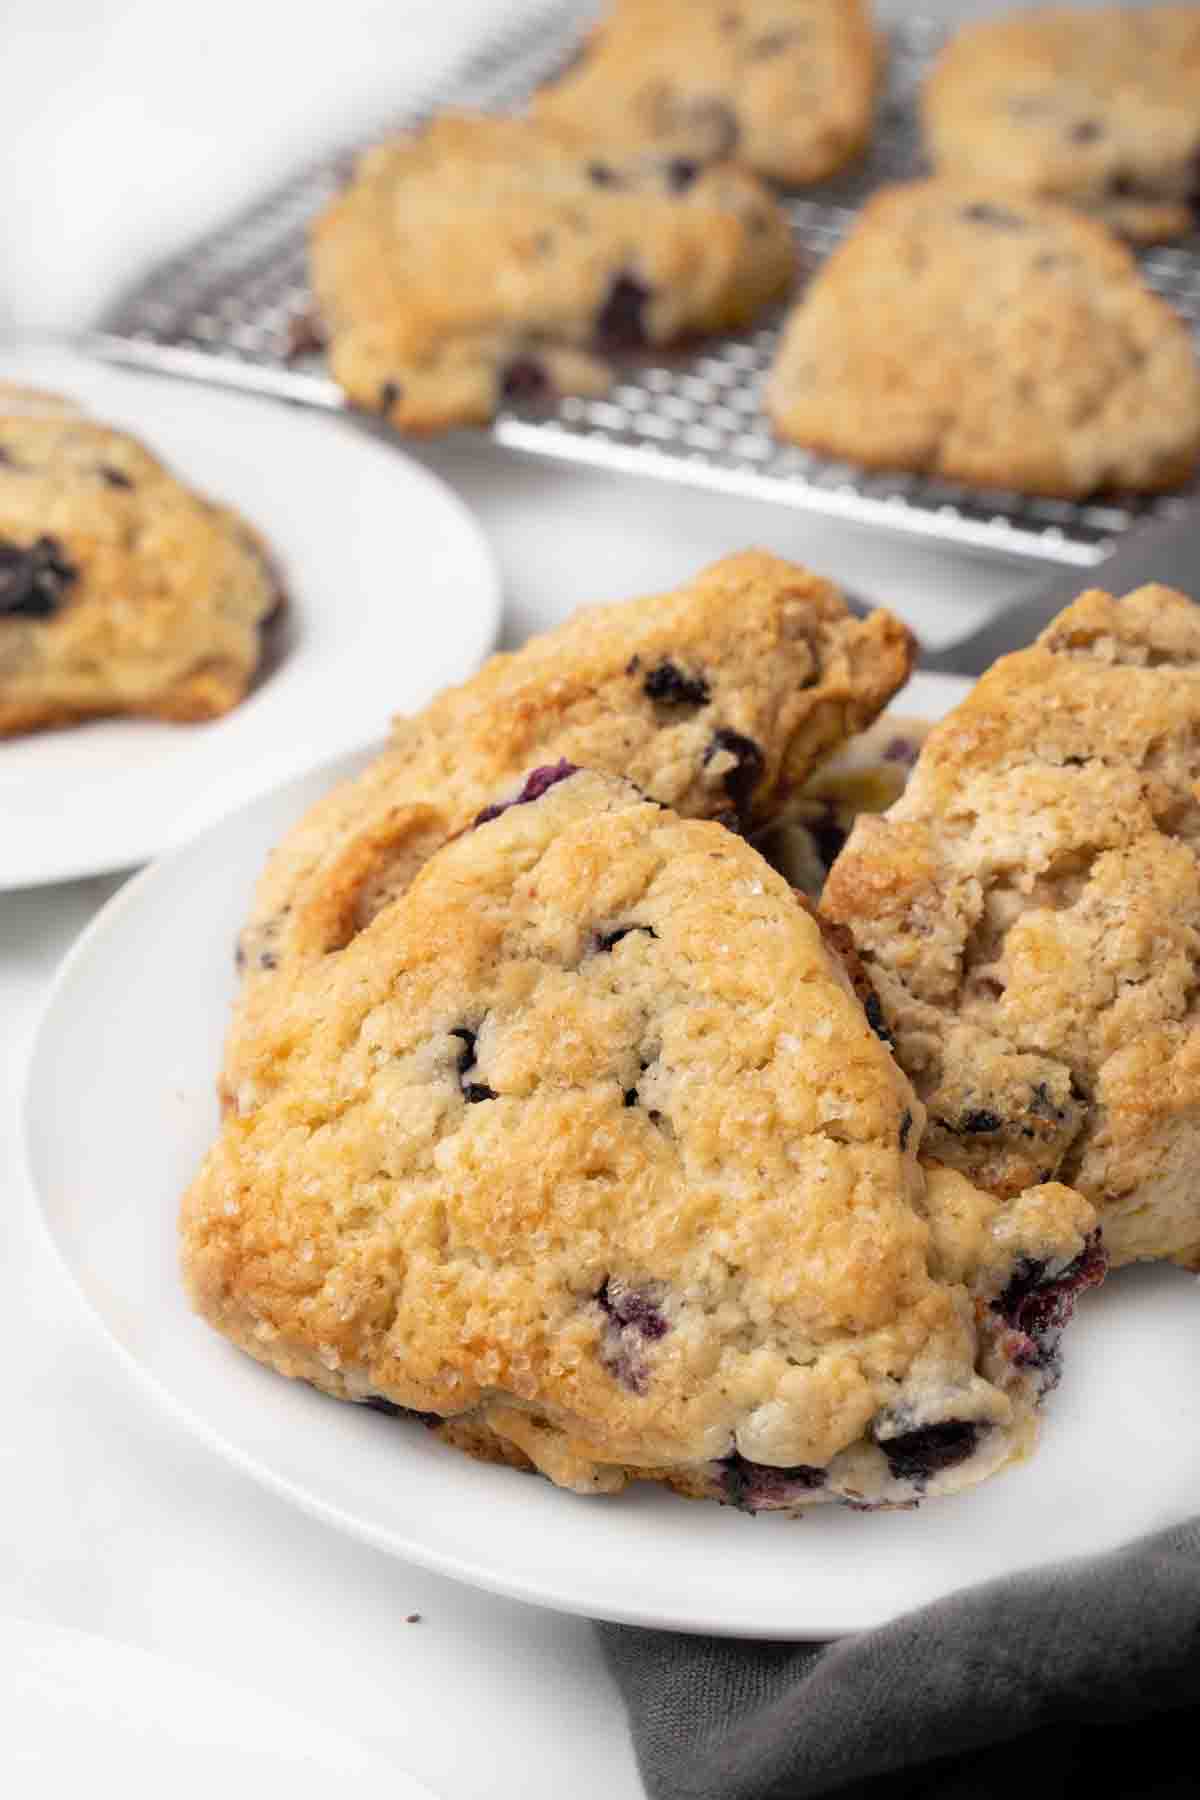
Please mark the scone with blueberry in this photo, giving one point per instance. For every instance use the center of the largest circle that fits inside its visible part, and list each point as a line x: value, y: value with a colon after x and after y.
x: 486, y: 260
x: 585, y: 1152
x: 786, y: 87
x: 719, y: 698
x: 121, y: 590
x: 1029, y: 915
x: 992, y: 339
x: 1097, y: 106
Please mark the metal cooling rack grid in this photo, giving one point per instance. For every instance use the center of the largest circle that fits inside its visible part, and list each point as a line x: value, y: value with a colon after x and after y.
x: 231, y: 308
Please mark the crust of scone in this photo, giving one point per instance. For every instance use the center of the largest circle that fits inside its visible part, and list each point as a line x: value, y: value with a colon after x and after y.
x: 654, y: 69
x: 1033, y: 357
x: 1029, y: 913
x: 482, y: 242
x: 380, y: 1229
x: 165, y: 615
x: 787, y: 667
x: 1041, y: 101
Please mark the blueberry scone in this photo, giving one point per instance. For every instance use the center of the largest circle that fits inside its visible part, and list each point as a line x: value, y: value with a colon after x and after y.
x: 1099, y: 107
x: 718, y: 698
x: 585, y: 1153
x: 121, y: 591
x: 1029, y: 914
x: 493, y: 259
x: 786, y: 87
x: 994, y: 340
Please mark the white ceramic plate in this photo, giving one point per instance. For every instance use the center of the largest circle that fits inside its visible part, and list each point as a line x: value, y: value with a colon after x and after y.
x: 119, y: 1112
x: 393, y: 592
x: 74, y: 1706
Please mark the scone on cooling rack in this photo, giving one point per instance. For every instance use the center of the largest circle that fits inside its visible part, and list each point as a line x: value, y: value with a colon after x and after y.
x: 786, y: 87
x: 990, y: 339
x: 121, y: 591
x: 1029, y: 914
x: 584, y: 1152
x: 718, y: 698
x: 1097, y: 106
x: 491, y: 259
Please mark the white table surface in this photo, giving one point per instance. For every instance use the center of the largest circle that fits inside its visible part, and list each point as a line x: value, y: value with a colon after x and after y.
x: 128, y: 126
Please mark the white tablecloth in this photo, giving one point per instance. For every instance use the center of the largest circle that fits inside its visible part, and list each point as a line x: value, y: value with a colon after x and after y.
x: 128, y: 126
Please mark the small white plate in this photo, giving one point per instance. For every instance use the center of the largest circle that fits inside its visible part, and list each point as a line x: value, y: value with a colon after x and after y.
x: 119, y: 1111
x: 392, y: 587
x: 79, y: 1712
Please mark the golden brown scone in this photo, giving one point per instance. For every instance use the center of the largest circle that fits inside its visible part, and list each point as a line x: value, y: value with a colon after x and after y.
x: 585, y: 1145
x: 1095, y: 106
x: 489, y: 259
x: 121, y: 591
x: 1029, y: 913
x: 989, y: 339
x: 785, y: 86
x: 719, y: 697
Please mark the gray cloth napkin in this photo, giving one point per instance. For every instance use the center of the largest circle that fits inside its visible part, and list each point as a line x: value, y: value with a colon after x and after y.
x: 1026, y: 1689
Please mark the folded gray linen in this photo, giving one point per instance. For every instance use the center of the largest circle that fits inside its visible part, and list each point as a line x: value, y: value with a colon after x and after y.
x: 1080, y: 1678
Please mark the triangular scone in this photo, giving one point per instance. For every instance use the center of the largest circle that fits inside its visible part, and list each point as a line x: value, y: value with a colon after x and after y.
x: 1098, y: 106
x: 488, y: 259
x: 786, y: 87
x: 720, y: 697
x: 586, y: 1146
x: 989, y: 339
x: 1029, y: 913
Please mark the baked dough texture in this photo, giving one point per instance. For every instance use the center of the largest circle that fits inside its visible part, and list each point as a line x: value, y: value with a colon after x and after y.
x: 1029, y: 915
x: 585, y: 1152
x: 121, y: 590
x: 720, y: 697
x: 990, y: 339
x: 1096, y: 106
x: 786, y: 87
x: 487, y: 259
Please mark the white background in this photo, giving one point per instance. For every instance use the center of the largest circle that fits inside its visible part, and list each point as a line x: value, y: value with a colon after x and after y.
x: 128, y: 126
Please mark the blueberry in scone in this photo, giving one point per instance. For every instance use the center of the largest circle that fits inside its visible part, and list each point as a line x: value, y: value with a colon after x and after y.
x: 786, y: 87
x: 1096, y: 106
x: 585, y: 1147
x: 121, y: 591
x: 719, y: 699
x: 991, y: 339
x: 488, y: 260
x: 1029, y: 913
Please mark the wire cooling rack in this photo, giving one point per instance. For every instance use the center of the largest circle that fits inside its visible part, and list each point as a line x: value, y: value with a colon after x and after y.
x: 233, y: 308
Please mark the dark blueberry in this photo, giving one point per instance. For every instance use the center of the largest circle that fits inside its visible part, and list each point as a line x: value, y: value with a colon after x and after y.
x: 877, y: 1022
x: 1086, y: 131
x: 635, y: 1308
x: 524, y: 379
x: 828, y: 836
x: 377, y: 1403
x: 389, y: 395
x: 605, y: 940
x: 602, y: 174
x: 902, y: 750
x: 633, y: 665
x: 630, y: 1097
x: 267, y: 959
x: 916, y: 1455
x: 905, y: 1128
x: 536, y: 784
x: 1040, y: 1307
x: 116, y: 478
x: 761, y: 1487
x: 671, y: 687
x: 620, y: 323
x: 983, y: 212
x: 34, y: 579
x: 681, y: 173
x: 980, y: 1120
x: 475, y: 1091
x: 746, y: 773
